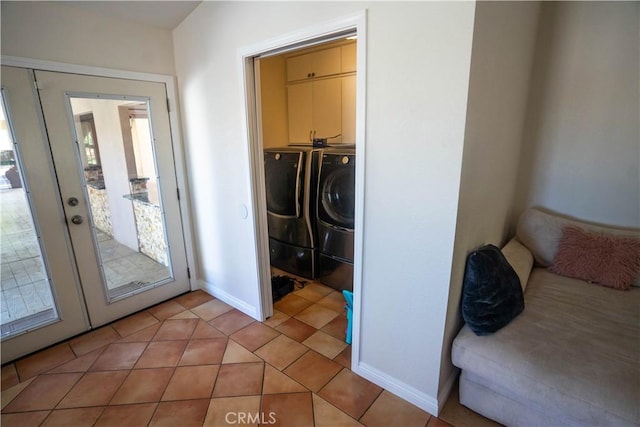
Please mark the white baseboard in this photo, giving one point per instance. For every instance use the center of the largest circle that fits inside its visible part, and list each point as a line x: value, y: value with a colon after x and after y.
x: 400, y: 389
x: 225, y: 297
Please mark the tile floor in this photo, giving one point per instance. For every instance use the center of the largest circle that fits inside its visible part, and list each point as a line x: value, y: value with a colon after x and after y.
x: 195, y: 361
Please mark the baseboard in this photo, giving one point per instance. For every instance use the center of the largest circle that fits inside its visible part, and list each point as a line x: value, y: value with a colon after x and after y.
x: 227, y: 298
x: 443, y: 396
x: 400, y: 389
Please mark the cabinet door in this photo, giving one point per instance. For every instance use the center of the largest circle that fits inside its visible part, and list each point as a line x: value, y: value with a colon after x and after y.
x: 327, y: 108
x: 326, y: 62
x: 298, y: 67
x: 349, y: 110
x: 348, y: 53
x: 300, y: 104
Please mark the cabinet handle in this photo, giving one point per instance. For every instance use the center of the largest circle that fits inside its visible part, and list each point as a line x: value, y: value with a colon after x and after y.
x: 313, y: 74
x: 310, y: 133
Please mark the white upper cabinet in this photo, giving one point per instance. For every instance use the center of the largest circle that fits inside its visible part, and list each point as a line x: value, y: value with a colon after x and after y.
x: 316, y: 64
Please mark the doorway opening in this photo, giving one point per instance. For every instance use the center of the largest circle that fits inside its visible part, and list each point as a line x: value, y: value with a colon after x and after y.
x: 307, y: 133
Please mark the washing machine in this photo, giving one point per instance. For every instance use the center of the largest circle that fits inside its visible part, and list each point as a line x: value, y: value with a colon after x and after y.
x: 335, y: 211
x: 291, y: 182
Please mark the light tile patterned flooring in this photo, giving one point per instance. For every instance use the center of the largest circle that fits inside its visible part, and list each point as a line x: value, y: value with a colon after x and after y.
x: 195, y: 360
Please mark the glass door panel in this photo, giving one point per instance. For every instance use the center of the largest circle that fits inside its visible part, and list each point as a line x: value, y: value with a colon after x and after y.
x: 41, y: 297
x: 111, y: 144
x: 121, y: 185
x: 26, y: 296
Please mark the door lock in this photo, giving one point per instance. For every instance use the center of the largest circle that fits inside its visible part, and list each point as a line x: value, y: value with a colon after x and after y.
x: 77, y: 219
x: 72, y: 201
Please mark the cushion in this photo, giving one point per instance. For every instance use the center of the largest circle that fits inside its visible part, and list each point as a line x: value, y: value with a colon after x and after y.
x: 611, y: 261
x: 520, y: 259
x: 491, y: 291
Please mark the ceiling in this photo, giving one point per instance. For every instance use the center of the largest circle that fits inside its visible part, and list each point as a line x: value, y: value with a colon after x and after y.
x: 163, y: 14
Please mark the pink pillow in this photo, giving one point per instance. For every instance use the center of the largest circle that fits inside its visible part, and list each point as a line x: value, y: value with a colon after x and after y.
x: 611, y: 261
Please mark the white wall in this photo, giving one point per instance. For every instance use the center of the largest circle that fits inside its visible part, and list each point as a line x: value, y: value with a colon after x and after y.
x: 582, y: 151
x: 416, y: 107
x: 503, y: 50
x: 60, y: 32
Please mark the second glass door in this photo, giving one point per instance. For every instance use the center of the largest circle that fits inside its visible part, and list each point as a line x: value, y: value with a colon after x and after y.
x: 111, y: 145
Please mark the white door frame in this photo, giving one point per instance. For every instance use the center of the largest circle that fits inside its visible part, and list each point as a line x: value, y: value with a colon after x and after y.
x: 174, y: 120
x: 303, y: 38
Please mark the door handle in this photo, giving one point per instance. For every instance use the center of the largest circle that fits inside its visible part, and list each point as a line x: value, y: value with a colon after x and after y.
x: 77, y: 219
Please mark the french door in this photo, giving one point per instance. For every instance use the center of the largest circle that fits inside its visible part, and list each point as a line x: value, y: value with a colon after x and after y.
x: 98, y: 186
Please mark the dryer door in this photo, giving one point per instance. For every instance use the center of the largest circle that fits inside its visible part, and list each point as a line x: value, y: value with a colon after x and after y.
x: 284, y: 183
x: 337, y: 191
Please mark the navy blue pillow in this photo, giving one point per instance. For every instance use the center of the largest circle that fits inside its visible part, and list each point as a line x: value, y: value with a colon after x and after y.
x: 491, y: 292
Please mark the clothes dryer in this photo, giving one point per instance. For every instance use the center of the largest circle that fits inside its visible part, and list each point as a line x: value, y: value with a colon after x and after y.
x: 290, y: 176
x: 335, y: 210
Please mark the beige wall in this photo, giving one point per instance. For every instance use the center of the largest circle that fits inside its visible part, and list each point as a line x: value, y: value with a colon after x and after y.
x: 503, y: 48
x: 582, y: 145
x: 61, y: 32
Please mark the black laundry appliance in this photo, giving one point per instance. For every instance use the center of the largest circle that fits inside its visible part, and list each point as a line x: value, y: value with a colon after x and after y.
x: 291, y: 174
x: 335, y: 217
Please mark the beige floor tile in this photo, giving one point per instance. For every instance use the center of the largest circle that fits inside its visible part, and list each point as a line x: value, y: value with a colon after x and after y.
x: 458, y: 415
x: 93, y: 340
x: 43, y: 361
x: 23, y: 419
x: 313, y: 291
x: 44, y: 392
x: 134, y: 323
x: 184, y: 413
x: 290, y: 409
x: 344, y: 358
x: 235, y: 353
x: 292, y: 304
x: 143, y: 386
x: 242, y: 379
x: 231, y: 321
x: 350, y: 393
x: 119, y: 356
x: 389, y: 409
x: 9, y: 394
x: 276, y: 319
x: 160, y: 354
x: 127, y: 415
x: 211, y: 309
x: 295, y: 329
x: 77, y: 417
x: 145, y: 335
x: 337, y: 327
x: 313, y: 370
x: 166, y: 310
x: 186, y: 314
x: 281, y: 352
x: 327, y: 415
x: 178, y: 329
x: 191, y: 382
x: 325, y: 344
x: 193, y: 299
x: 94, y: 389
x: 81, y: 364
x: 316, y: 316
x: 225, y: 411
x: 335, y: 301
x: 204, y: 352
x: 254, y: 336
x: 276, y: 382
x: 9, y: 376
x: 206, y: 331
